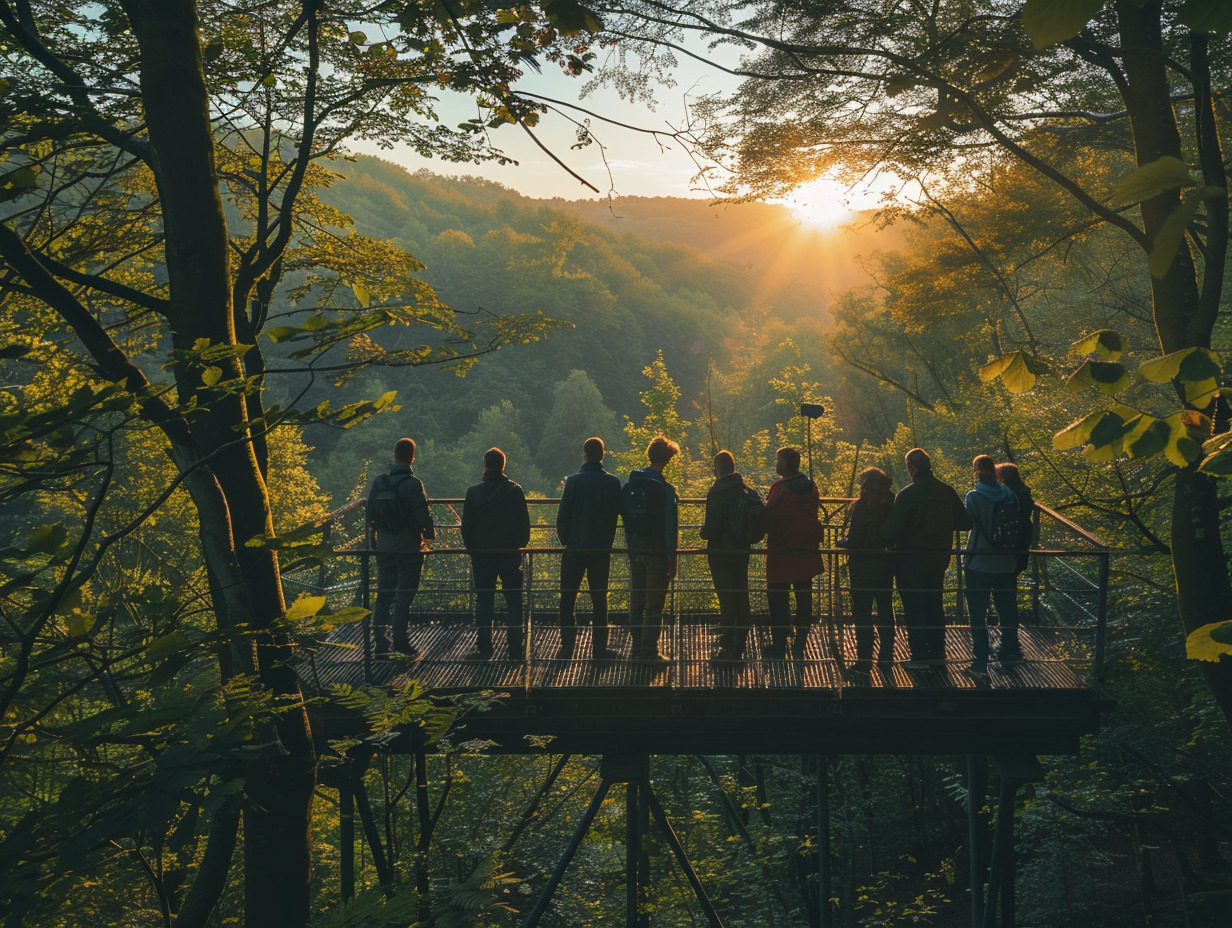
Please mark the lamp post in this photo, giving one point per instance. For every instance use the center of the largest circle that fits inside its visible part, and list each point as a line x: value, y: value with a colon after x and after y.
x: 811, y: 411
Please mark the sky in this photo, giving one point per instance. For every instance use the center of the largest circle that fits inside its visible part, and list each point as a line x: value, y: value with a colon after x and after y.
x: 621, y: 163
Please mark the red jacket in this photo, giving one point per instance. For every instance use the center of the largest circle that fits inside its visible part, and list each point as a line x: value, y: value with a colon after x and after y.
x: 793, y: 531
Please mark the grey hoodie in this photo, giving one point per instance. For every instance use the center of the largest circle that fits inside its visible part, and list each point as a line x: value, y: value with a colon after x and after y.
x: 980, y: 503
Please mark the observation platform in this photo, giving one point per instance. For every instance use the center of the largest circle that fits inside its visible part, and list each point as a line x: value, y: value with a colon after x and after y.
x: 812, y: 702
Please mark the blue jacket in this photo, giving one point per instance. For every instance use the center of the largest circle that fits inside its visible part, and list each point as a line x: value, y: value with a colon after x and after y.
x: 980, y: 503
x: 666, y: 541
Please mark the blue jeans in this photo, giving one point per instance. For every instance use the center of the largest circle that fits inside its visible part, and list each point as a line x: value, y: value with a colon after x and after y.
x: 397, y: 582
x: 1002, y: 590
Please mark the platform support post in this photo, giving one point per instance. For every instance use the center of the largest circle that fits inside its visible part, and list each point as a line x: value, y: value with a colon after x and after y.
x: 346, y: 822
x: 1013, y: 772
x: 977, y: 789
x: 424, y: 838
x: 575, y: 842
x: 824, y: 876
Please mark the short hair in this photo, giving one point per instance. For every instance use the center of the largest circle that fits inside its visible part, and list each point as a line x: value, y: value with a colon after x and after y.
x: 1008, y: 473
x: 919, y: 458
x: 592, y: 449
x: 661, y: 450
x: 984, y: 465
x: 494, y: 459
x: 790, y: 455
x: 874, y: 478
x: 725, y: 463
x: 404, y: 451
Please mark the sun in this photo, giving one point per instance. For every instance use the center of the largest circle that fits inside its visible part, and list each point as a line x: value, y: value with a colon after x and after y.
x: 821, y: 204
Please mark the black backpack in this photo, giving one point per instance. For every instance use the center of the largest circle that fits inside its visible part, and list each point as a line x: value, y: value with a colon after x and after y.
x: 1006, y: 527
x: 746, y: 522
x: 642, y: 507
x: 386, y: 508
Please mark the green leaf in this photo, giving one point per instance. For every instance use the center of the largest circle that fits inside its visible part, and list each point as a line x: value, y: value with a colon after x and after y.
x: 1162, y: 174
x: 1049, y: 22
x: 46, y: 539
x: 211, y: 376
x: 1210, y: 642
x: 1148, y: 438
x: 1182, y: 449
x: 1101, y: 428
x: 1017, y: 371
x: 304, y: 607
x: 1106, y: 376
x: 79, y: 624
x: 1172, y: 232
x: 1105, y: 344
x: 361, y: 294
x: 1187, y: 365
x: 1218, y: 460
x: 1213, y: 16
x: 358, y: 38
x: 269, y: 80
x: 1201, y: 393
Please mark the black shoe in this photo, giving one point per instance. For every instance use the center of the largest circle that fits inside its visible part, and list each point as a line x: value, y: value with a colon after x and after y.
x: 604, y: 654
x: 564, y: 654
x: 977, y: 670
x: 479, y: 654
x: 1008, y: 657
x: 406, y: 649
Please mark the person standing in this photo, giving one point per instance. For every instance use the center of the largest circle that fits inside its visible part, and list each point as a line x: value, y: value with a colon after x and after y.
x: 793, y: 534
x: 495, y: 524
x: 871, y: 566
x: 649, y: 512
x: 990, y: 565
x: 922, y: 522
x: 1009, y: 475
x: 586, y: 526
x: 399, y: 524
x: 733, y: 509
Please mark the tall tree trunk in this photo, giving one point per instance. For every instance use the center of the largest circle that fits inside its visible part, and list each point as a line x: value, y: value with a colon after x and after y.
x: 1200, y: 566
x: 279, y: 783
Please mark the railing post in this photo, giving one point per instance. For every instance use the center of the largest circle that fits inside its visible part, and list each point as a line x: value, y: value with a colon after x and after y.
x: 365, y: 600
x: 1101, y: 618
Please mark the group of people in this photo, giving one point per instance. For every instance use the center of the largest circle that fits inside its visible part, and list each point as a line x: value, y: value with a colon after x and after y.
x: 902, y: 540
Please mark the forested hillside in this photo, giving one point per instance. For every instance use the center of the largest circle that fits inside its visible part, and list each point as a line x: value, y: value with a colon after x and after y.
x: 732, y: 281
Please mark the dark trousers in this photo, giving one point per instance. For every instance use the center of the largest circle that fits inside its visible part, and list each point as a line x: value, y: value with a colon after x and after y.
x: 1002, y: 589
x: 729, y: 570
x: 647, y: 594
x: 778, y: 602
x: 920, y: 582
x: 863, y: 599
x: 397, y: 582
x: 597, y: 568
x: 486, y: 570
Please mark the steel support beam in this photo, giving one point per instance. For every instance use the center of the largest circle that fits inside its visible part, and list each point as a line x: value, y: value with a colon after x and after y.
x: 824, y: 876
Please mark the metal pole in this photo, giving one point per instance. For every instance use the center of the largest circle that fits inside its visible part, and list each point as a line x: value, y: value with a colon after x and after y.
x: 682, y: 858
x: 1101, y: 621
x: 823, y: 841
x: 365, y: 600
x: 575, y: 842
x: 346, y: 827
x: 999, y: 874
x: 422, y: 884
x: 633, y: 843
x: 977, y: 774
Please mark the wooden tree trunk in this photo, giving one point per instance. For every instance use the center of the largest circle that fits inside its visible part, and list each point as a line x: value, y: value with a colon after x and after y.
x: 233, y: 503
x: 1200, y: 565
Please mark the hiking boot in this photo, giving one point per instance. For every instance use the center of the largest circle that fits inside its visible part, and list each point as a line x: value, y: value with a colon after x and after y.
x: 977, y: 670
x: 604, y: 654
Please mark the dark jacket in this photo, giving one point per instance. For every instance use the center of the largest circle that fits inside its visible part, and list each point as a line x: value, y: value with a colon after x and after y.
x: 420, y: 528
x: 871, y: 566
x: 666, y: 540
x: 925, y: 516
x: 589, y: 507
x: 981, y: 503
x: 793, y: 531
x: 728, y: 492
x: 1026, y: 530
x: 494, y: 515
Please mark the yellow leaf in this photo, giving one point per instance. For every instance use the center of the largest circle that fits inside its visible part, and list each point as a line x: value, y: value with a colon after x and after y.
x: 1162, y: 174
x: 361, y: 294
x: 305, y: 607
x: 1210, y: 642
x: 211, y: 376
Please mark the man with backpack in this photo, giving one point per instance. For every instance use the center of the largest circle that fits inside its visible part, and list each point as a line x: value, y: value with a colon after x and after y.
x: 648, y: 508
x: 586, y: 526
x: 495, y: 525
x: 732, y: 524
x: 990, y: 565
x: 399, y: 523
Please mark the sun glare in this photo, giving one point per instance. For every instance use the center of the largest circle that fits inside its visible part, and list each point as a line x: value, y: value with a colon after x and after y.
x: 820, y: 204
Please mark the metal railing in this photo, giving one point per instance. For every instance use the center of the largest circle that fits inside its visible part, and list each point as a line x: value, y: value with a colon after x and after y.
x: 1063, y: 594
